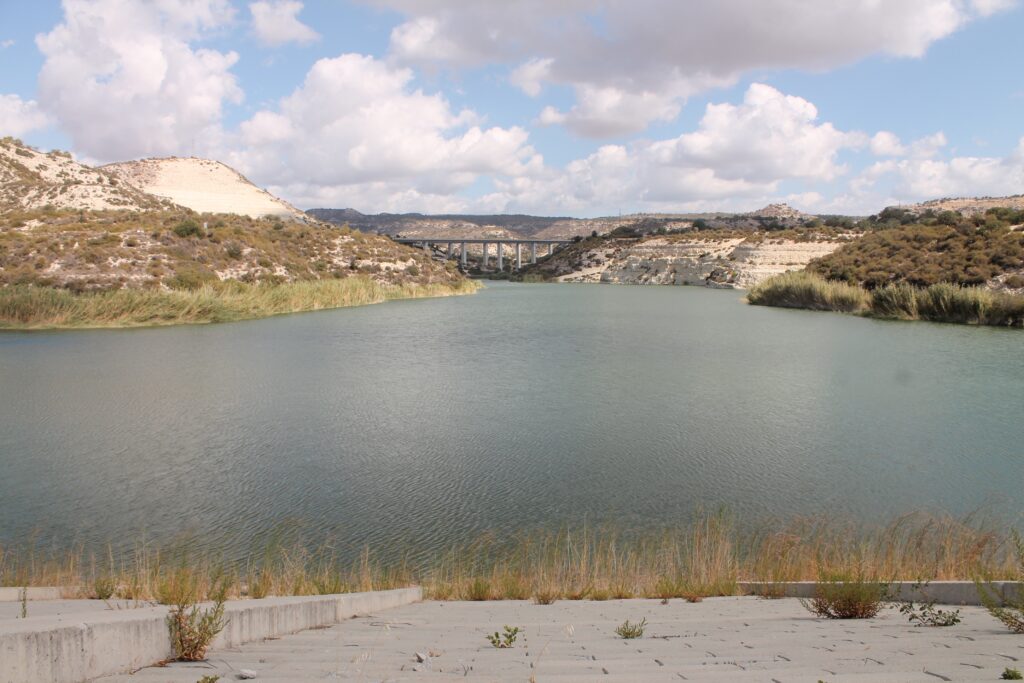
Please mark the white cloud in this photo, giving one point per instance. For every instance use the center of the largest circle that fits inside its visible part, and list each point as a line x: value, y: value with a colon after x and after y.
x: 356, y: 132
x: 770, y: 136
x: 275, y: 22
x: 6, y: 44
x: 122, y: 79
x: 887, y: 144
x: 738, y: 155
x: 18, y: 116
x: 611, y: 51
x: 530, y: 76
x: 928, y: 146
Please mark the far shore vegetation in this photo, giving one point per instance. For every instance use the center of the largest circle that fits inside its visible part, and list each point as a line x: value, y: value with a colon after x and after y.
x: 941, y: 267
x: 28, y: 307
x: 707, y: 557
x: 942, y: 302
x: 62, y: 268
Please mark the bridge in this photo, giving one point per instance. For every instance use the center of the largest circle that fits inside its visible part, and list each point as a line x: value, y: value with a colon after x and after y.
x: 450, y: 244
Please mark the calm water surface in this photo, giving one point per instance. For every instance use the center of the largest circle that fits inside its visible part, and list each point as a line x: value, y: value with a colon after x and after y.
x: 415, y: 424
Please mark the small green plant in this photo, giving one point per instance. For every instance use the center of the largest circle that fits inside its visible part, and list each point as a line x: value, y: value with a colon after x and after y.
x: 212, y: 678
x: 847, y: 597
x: 104, y: 587
x: 193, y: 629
x: 505, y: 640
x: 925, y: 614
x: 24, y: 603
x: 1011, y: 675
x: 630, y: 630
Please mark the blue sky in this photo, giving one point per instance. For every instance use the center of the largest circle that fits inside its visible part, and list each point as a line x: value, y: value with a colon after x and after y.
x: 550, y: 107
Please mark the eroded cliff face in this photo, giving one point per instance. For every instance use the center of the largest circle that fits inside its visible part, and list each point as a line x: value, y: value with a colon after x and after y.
x: 726, y: 263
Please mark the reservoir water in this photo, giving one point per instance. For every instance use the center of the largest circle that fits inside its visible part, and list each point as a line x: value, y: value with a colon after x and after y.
x: 418, y: 424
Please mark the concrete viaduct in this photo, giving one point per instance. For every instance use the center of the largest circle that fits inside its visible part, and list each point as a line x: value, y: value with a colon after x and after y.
x: 449, y: 244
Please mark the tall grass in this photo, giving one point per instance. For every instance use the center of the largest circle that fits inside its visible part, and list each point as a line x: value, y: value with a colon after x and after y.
x: 31, y: 307
x: 941, y: 302
x: 708, y: 557
x: 800, y: 289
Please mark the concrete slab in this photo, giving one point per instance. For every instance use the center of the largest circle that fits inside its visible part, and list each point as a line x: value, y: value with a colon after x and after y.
x: 719, y: 639
x: 65, y: 608
x: 76, y: 641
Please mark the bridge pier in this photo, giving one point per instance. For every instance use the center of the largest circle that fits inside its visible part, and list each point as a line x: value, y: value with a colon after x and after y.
x: 483, y: 261
x: 462, y: 254
x: 501, y: 257
x: 519, y: 256
x: 533, y: 252
x: 448, y: 254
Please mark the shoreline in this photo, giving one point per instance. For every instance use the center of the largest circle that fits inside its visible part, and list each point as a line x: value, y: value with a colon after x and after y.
x: 710, y: 556
x: 31, y: 309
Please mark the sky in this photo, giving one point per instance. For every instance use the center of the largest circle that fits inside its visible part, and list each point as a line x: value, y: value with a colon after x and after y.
x: 549, y: 107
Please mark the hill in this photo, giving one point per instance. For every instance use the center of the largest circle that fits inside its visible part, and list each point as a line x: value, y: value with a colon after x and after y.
x: 203, y: 185
x: 967, y: 206
x: 30, y: 179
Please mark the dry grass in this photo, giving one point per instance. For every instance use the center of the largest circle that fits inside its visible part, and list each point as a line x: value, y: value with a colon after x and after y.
x: 31, y: 307
x: 705, y: 558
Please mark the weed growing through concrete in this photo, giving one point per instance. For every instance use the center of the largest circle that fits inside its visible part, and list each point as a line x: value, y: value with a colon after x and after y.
x: 505, y: 640
x: 1011, y: 675
x: 629, y: 630
x: 209, y: 679
x: 24, y: 603
x: 847, y: 596
x: 193, y: 629
x: 925, y: 614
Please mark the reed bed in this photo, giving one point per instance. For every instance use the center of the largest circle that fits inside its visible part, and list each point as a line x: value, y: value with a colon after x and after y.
x: 708, y: 557
x: 33, y: 307
x: 942, y: 302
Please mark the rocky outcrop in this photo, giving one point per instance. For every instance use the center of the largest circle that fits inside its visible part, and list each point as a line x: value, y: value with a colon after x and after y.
x: 30, y: 179
x: 726, y: 263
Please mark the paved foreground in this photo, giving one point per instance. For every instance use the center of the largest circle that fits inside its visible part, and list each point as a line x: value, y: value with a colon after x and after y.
x: 720, y: 639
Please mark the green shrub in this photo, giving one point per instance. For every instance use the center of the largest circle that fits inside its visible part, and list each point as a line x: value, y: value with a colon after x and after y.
x: 1011, y: 675
x: 188, y: 228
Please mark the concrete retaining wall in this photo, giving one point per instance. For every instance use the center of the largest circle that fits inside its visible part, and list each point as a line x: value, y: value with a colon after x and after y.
x: 942, y: 592
x: 33, y: 593
x: 113, y: 641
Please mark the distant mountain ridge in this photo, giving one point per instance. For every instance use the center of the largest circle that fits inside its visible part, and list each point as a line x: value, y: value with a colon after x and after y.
x: 545, y: 227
